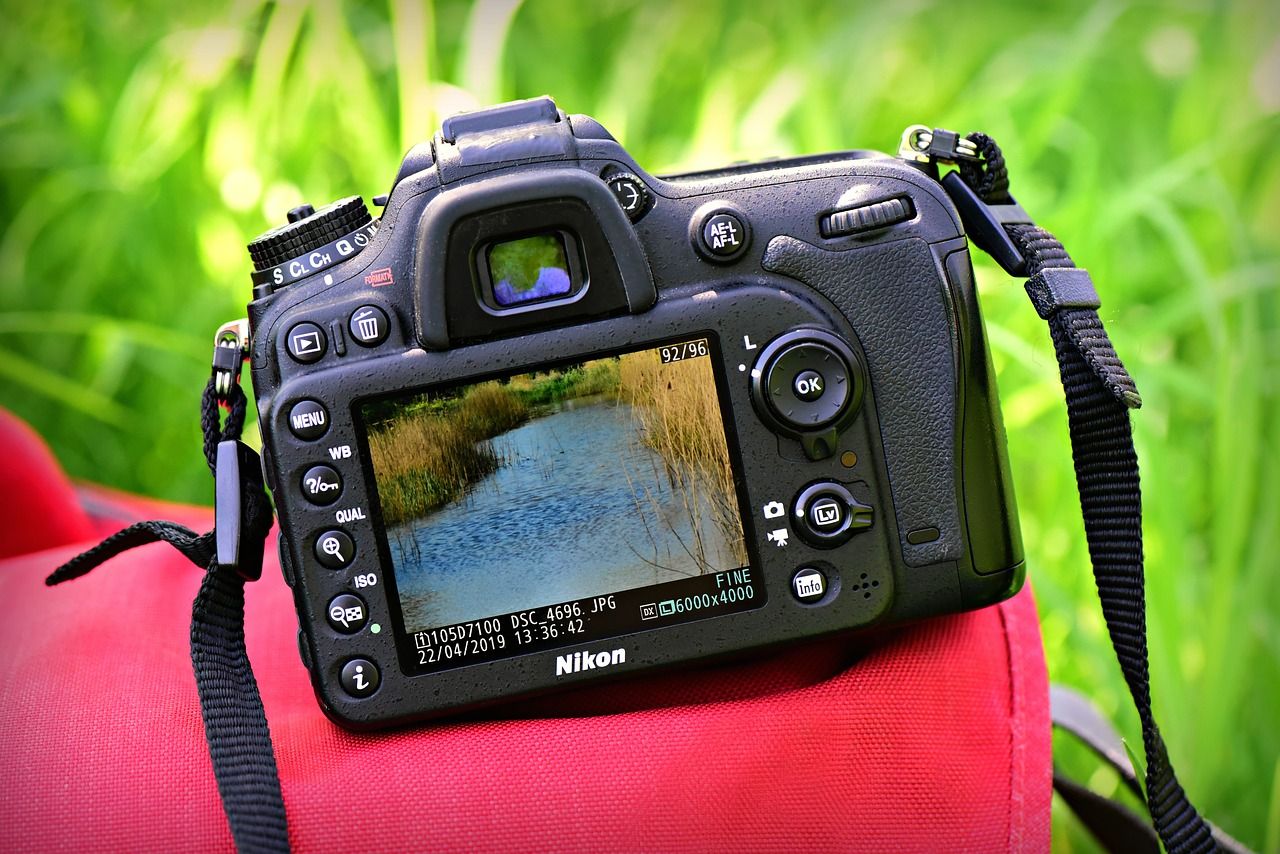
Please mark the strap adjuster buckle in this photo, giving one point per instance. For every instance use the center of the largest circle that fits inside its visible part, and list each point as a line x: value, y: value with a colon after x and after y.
x: 239, y: 536
x: 985, y: 223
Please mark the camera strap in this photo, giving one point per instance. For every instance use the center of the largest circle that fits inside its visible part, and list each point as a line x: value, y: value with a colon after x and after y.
x: 1099, y: 394
x: 235, y: 725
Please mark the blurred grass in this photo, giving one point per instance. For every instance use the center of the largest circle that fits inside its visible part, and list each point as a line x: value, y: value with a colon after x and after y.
x: 141, y: 145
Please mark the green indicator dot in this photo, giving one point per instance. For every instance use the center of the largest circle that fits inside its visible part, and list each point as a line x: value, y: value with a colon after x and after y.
x: 374, y: 628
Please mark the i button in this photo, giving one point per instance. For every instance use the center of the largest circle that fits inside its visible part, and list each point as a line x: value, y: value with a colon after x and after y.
x: 360, y: 677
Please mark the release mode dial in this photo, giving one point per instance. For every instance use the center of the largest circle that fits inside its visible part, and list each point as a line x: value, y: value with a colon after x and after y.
x: 310, y: 241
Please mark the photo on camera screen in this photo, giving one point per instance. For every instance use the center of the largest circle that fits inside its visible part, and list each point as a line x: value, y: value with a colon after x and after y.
x: 529, y: 269
x: 555, y: 485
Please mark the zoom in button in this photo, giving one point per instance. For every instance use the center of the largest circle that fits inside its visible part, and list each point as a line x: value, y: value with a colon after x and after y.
x: 334, y: 549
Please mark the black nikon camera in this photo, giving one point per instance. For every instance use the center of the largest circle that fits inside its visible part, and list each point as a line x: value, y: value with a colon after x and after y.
x: 553, y: 419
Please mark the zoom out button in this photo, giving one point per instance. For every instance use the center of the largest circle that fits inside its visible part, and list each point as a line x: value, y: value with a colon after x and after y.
x: 347, y: 613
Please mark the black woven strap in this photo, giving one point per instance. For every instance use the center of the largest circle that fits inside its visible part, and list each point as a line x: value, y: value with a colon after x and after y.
x: 1099, y: 394
x: 235, y: 725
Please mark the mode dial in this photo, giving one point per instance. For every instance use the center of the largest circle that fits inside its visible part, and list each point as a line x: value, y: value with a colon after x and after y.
x: 310, y: 241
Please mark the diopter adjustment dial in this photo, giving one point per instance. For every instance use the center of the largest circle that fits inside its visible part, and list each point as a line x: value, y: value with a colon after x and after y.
x: 310, y: 241
x: 633, y: 196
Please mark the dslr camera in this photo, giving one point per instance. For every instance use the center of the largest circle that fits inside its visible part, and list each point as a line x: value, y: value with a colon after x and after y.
x: 551, y: 419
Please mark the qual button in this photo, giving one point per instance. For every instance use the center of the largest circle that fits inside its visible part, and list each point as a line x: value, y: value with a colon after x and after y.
x: 334, y: 549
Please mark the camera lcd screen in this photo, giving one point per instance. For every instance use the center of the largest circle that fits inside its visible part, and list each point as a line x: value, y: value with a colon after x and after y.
x: 550, y: 508
x: 529, y: 269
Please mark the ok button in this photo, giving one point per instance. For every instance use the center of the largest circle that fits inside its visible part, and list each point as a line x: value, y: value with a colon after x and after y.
x: 809, y: 386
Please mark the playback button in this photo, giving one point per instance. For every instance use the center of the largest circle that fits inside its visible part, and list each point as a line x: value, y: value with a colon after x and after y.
x: 306, y: 343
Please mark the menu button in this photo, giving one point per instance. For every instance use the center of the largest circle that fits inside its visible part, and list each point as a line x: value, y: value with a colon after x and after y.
x: 308, y: 420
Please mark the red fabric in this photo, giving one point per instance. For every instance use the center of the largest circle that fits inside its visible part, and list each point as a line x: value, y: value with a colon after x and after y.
x: 934, y: 737
x: 38, y: 508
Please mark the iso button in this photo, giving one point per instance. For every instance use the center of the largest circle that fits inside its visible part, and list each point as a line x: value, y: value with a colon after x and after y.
x: 347, y: 613
x: 321, y: 485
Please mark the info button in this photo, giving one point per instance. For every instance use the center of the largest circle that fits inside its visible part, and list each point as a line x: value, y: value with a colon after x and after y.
x: 808, y: 585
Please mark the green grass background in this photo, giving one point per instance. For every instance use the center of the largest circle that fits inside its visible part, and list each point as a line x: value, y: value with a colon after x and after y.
x: 141, y: 145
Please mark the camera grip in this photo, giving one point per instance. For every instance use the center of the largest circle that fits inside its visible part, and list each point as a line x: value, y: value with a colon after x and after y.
x: 884, y: 291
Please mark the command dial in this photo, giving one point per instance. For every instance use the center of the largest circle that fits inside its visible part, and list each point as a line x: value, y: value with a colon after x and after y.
x: 310, y: 241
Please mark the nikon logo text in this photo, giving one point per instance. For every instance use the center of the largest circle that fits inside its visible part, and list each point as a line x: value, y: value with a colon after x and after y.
x: 580, y: 661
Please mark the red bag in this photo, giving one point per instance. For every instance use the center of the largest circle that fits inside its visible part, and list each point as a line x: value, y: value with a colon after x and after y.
x: 931, y: 737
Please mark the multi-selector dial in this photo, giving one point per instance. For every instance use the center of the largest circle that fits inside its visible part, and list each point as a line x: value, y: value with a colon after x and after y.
x: 309, y: 242
x: 808, y: 384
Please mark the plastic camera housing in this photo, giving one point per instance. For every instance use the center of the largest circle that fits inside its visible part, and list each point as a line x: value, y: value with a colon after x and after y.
x: 826, y: 302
